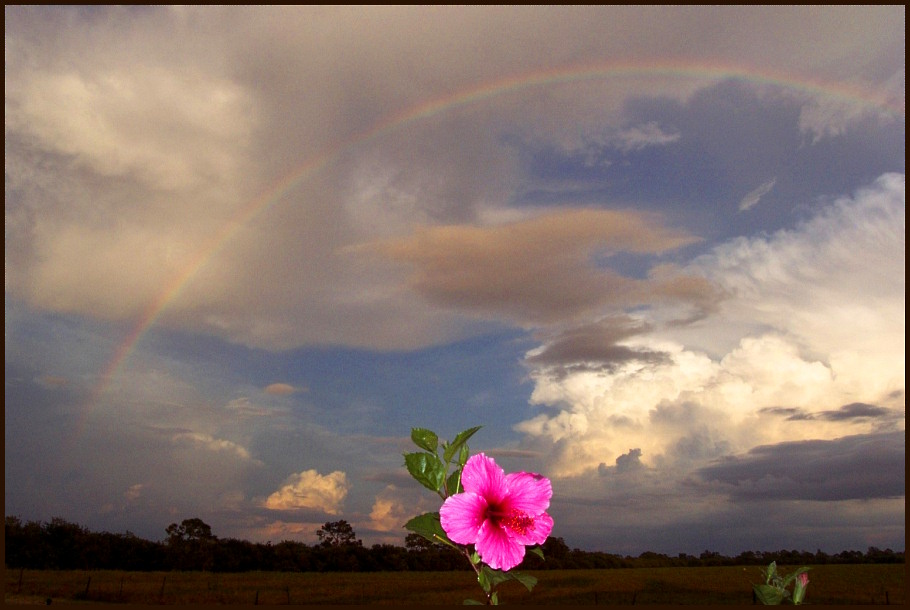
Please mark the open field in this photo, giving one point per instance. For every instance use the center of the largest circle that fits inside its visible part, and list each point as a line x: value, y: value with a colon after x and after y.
x: 830, y: 584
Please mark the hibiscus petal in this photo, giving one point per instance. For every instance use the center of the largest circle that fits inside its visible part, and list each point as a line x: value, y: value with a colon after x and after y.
x: 482, y: 476
x: 462, y: 515
x: 497, y: 549
x: 539, y: 531
x: 529, y: 493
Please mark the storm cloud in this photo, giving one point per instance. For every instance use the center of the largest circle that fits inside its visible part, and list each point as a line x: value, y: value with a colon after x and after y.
x: 858, y: 467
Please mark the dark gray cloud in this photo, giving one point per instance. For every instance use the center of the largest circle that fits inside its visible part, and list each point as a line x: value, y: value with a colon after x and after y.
x: 595, y: 345
x: 730, y: 529
x: 862, y: 466
x: 791, y: 413
x: 539, y: 271
x: 853, y: 411
x: 627, y: 462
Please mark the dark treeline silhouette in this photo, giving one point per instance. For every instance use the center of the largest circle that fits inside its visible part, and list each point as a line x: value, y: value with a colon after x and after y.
x: 191, y: 545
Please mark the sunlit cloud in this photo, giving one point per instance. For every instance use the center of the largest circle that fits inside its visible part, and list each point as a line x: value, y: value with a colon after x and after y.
x: 282, y: 389
x: 135, y: 121
x: 389, y: 511
x: 635, y: 386
x: 311, y: 490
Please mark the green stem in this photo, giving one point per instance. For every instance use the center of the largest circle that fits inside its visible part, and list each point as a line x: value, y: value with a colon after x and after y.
x: 467, y: 554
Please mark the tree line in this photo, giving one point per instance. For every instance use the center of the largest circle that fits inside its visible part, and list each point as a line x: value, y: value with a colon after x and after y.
x: 191, y: 545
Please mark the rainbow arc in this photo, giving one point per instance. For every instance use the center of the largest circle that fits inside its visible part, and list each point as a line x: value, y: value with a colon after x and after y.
x: 709, y: 72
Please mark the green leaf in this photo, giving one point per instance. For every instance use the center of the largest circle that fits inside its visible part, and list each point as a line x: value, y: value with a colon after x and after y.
x: 483, y: 578
x: 768, y: 595
x: 428, y: 526
x: 493, y: 577
x: 425, y: 439
x: 489, y: 578
x: 497, y: 577
x: 460, y: 439
x: 463, y: 456
x: 770, y: 572
x: 427, y: 469
x: 526, y: 579
x: 453, y: 483
x: 537, y: 551
x: 472, y: 602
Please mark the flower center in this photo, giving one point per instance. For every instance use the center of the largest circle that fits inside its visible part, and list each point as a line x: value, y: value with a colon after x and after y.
x: 515, y: 520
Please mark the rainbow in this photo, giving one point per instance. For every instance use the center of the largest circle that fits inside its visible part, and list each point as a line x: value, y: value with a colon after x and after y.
x: 709, y: 72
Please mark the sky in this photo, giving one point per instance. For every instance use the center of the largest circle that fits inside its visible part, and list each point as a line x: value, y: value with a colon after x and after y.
x: 657, y: 253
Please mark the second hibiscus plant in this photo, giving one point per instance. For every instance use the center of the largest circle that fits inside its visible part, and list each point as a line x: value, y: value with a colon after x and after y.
x: 486, y: 515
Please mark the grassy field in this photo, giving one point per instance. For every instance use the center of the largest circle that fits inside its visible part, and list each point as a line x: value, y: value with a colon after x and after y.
x: 829, y: 584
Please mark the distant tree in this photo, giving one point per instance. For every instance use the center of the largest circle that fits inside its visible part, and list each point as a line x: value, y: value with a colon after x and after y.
x: 555, y: 548
x: 876, y: 555
x: 386, y: 557
x: 232, y: 555
x: 650, y: 559
x: 423, y: 555
x: 67, y: 543
x: 290, y: 556
x: 850, y: 556
x: 339, y: 550
x: 417, y: 543
x: 191, y: 545
x: 337, y: 533
x: 748, y: 558
x: 26, y: 544
x: 189, y: 530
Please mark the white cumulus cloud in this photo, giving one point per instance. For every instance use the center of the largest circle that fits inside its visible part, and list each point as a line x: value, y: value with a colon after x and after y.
x: 814, y: 322
x: 389, y: 512
x: 311, y: 490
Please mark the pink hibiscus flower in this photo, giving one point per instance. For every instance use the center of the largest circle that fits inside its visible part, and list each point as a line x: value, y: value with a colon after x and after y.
x: 498, y: 513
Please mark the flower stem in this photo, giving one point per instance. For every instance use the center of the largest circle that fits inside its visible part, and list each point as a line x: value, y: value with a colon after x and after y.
x: 467, y: 554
